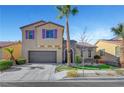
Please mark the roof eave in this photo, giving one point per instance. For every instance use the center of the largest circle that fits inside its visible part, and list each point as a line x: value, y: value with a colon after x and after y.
x: 32, y: 24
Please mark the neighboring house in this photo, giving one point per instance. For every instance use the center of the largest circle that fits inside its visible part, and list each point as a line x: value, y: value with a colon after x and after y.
x: 6, y: 44
x: 42, y: 42
x: 86, y: 50
x: 109, y: 50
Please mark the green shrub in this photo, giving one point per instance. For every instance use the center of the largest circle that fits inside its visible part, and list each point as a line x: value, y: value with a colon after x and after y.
x: 87, y: 67
x: 5, y: 64
x: 103, y: 66
x: 97, y: 57
x: 77, y: 59
x: 20, y: 61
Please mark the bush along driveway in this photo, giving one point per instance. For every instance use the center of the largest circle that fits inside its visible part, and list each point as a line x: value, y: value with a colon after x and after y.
x: 28, y: 72
x: 5, y: 64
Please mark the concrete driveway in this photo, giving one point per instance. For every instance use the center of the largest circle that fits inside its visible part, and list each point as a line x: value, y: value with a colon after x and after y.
x: 28, y: 72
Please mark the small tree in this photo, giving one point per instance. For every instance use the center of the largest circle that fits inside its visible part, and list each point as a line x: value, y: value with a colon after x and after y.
x: 84, y: 38
x: 10, y: 51
x: 77, y: 59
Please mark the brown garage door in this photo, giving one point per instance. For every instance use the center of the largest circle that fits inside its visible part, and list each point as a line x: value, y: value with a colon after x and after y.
x: 42, y: 56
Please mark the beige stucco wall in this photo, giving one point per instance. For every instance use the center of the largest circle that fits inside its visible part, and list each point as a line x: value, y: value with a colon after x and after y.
x: 109, y: 50
x: 85, y: 53
x: 39, y: 44
x: 17, y: 51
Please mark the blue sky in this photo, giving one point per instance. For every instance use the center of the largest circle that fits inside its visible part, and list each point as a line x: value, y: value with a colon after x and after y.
x: 97, y: 19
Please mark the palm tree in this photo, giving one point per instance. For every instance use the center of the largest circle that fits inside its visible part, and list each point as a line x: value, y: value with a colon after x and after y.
x: 10, y: 51
x: 66, y: 11
x: 119, y: 32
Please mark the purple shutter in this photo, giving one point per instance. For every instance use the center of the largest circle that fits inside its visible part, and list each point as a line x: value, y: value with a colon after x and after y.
x: 55, y: 33
x: 43, y: 33
x: 32, y: 34
x: 26, y: 34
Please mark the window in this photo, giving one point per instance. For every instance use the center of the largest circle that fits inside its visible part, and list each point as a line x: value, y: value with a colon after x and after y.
x: 89, y: 53
x: 82, y: 54
x: 117, y: 51
x: 29, y: 34
x: 49, y: 33
x: 102, y: 52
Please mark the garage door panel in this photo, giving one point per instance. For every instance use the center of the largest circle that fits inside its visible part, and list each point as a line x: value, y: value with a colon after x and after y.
x: 42, y: 56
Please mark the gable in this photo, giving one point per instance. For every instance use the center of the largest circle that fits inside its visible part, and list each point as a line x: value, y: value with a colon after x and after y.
x: 38, y: 24
x: 50, y: 23
x: 33, y: 24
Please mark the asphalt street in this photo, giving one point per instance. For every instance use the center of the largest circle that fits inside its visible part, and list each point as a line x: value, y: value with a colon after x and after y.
x: 64, y: 84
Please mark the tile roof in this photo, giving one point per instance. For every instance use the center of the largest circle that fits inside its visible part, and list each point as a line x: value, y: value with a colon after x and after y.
x: 116, y: 38
x: 33, y: 24
x: 44, y: 23
x: 79, y: 44
x: 71, y: 41
x: 117, y: 42
x: 6, y: 43
x: 51, y: 23
x: 84, y: 44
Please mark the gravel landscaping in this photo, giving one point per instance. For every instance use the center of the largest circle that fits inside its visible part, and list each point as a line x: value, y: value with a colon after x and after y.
x: 65, y: 72
x: 88, y: 73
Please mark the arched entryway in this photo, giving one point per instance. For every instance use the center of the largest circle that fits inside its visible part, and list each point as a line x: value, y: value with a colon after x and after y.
x: 65, y: 55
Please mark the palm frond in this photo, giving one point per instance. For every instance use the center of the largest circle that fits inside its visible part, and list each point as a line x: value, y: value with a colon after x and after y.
x: 59, y: 17
x: 116, y: 31
x: 119, y: 30
x: 10, y: 50
x: 74, y: 11
x: 59, y: 8
x: 123, y: 34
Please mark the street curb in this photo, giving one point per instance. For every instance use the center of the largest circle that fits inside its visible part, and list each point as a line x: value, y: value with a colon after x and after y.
x: 90, y: 79
x: 95, y: 78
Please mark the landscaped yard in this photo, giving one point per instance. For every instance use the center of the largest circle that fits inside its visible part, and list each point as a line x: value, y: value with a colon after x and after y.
x: 79, y: 67
x: 78, y: 71
x: 6, y: 64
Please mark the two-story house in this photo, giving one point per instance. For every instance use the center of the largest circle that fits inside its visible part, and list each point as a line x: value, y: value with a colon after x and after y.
x: 109, y: 50
x: 42, y: 42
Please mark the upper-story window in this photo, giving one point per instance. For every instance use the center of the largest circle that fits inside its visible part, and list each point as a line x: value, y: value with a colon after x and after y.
x: 102, y: 52
x: 49, y: 33
x: 29, y: 34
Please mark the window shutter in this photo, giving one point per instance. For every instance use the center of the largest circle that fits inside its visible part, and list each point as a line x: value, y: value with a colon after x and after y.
x: 43, y: 33
x: 55, y: 33
x: 32, y: 34
x: 26, y: 34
